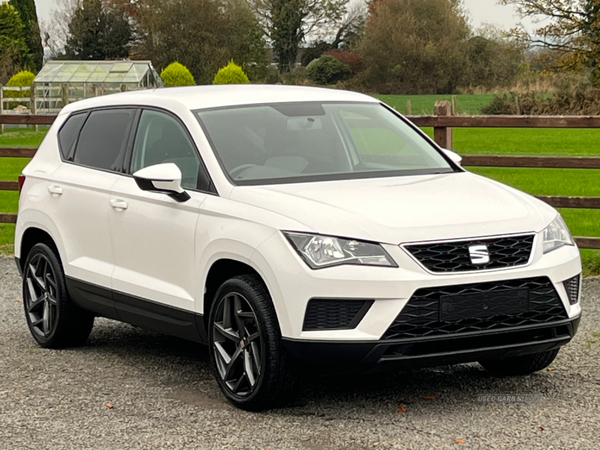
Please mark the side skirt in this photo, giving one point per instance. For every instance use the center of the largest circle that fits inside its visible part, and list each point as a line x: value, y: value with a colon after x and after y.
x: 137, y: 311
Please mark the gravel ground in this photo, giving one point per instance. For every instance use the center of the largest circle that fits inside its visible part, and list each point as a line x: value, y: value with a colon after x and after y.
x: 129, y: 388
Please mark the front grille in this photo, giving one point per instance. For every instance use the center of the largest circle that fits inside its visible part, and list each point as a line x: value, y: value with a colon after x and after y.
x: 334, y: 314
x: 476, y: 307
x: 444, y: 257
x: 572, y: 288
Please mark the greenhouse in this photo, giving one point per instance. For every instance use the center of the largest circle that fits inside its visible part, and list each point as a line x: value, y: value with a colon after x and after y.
x: 61, y: 82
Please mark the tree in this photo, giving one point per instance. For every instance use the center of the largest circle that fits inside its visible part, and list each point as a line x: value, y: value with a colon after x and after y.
x: 231, y: 74
x: 415, y: 46
x: 493, y: 59
x: 570, y: 27
x: 31, y: 30
x: 13, y: 49
x: 174, y: 30
x: 343, y: 34
x: 176, y: 74
x: 97, y: 33
x: 287, y: 22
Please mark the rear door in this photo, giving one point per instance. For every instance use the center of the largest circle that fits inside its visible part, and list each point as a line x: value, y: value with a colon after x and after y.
x: 93, y: 146
x: 153, y: 235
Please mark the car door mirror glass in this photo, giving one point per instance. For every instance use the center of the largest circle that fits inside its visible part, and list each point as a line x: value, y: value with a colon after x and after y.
x: 164, y: 178
x: 455, y: 157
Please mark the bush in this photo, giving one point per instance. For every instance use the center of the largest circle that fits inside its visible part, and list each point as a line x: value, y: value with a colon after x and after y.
x: 572, y: 101
x: 23, y: 78
x: 351, y: 58
x: 296, y: 76
x: 314, y: 52
x: 176, y: 74
x: 231, y: 74
x: 327, y: 70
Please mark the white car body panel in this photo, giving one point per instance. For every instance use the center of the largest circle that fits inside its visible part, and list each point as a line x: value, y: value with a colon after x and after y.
x: 161, y: 250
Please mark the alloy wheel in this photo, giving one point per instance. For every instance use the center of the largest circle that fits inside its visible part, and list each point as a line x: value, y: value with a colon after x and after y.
x: 238, y: 344
x: 41, y: 295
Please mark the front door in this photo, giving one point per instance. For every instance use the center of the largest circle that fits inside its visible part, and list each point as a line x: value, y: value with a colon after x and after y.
x: 153, y: 235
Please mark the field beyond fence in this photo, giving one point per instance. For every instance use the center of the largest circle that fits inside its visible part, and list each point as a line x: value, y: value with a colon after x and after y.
x: 580, y: 210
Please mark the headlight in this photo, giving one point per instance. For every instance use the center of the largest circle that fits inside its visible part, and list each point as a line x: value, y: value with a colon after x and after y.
x: 556, y: 235
x: 324, y: 251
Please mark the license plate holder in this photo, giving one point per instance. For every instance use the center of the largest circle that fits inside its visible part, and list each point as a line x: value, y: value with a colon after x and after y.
x: 454, y: 308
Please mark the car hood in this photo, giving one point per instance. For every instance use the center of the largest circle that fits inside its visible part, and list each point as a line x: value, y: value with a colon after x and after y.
x: 403, y: 209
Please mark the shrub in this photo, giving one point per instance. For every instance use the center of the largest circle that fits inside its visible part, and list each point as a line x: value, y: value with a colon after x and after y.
x: 572, y: 101
x: 327, y: 70
x: 351, y: 58
x: 231, y: 74
x: 176, y: 74
x: 23, y: 78
x: 296, y: 76
x: 314, y: 52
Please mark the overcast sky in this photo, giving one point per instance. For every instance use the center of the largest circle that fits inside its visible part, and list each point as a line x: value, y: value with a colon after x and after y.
x: 481, y: 11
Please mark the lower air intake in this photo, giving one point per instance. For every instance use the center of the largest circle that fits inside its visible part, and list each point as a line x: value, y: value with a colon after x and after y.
x: 451, y: 310
x: 333, y: 314
x: 572, y: 288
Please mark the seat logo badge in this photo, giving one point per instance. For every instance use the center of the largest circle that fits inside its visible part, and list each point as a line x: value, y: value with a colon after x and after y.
x: 479, y: 254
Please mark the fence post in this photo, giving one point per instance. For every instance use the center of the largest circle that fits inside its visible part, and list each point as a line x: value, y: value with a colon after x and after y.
x: 443, y: 135
x: 32, y: 104
x: 1, y: 107
x: 408, y: 107
x: 64, y: 93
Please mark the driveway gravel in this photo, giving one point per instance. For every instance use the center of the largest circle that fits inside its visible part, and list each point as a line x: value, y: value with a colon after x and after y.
x: 133, y: 389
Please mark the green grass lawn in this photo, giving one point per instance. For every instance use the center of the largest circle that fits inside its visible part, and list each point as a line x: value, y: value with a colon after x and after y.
x: 22, y: 137
x: 583, y: 222
x: 423, y: 104
x: 525, y: 141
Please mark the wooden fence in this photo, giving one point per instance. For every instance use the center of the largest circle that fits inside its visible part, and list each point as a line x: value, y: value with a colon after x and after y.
x: 442, y: 126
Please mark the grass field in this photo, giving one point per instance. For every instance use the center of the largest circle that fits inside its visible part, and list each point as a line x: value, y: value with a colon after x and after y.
x: 423, y: 104
x: 466, y: 141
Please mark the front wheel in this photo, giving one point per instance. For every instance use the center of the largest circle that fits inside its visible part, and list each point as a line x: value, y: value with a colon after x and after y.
x: 520, y: 365
x: 247, y: 356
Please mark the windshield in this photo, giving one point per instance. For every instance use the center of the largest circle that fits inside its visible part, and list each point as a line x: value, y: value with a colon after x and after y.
x: 295, y: 142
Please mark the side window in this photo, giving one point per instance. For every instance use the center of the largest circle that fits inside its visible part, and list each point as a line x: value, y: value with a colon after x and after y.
x: 162, y: 139
x: 103, y: 138
x: 67, y: 136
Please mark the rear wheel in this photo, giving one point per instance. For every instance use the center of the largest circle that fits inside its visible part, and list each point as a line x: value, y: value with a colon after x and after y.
x: 520, y: 365
x: 53, y: 320
x: 248, y: 359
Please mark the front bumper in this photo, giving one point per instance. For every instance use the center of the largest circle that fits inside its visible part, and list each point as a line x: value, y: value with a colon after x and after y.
x: 293, y: 285
x: 366, y: 356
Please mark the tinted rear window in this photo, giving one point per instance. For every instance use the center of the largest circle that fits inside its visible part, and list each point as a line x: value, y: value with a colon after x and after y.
x: 103, y: 138
x: 67, y: 136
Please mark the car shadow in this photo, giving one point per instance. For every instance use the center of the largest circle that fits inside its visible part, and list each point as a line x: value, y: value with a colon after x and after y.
x: 183, y: 367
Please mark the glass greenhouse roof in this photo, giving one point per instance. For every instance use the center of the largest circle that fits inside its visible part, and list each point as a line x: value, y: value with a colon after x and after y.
x: 98, y: 72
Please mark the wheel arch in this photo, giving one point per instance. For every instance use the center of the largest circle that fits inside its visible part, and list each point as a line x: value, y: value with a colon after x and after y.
x: 32, y: 236
x: 220, y: 271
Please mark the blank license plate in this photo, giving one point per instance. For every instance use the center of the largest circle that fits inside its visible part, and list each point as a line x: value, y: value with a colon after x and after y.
x: 480, y: 305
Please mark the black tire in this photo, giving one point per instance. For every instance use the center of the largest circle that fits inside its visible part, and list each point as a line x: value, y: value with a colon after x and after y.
x: 247, y: 356
x: 53, y: 320
x: 520, y: 365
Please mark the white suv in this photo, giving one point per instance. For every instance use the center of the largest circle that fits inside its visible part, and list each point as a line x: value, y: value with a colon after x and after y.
x: 287, y: 227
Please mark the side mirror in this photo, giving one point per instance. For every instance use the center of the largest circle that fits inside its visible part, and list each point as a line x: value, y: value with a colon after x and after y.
x: 164, y: 178
x: 455, y: 157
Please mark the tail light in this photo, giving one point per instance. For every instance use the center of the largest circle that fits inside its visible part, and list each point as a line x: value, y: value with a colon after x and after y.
x: 21, y: 182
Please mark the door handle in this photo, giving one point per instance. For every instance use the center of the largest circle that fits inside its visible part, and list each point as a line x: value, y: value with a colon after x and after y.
x: 119, y: 205
x: 55, y: 190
